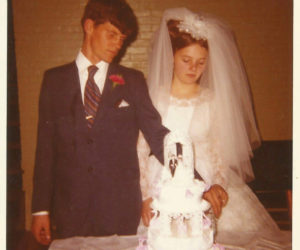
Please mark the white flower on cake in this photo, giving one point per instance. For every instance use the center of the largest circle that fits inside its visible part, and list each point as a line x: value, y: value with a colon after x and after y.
x: 188, y: 193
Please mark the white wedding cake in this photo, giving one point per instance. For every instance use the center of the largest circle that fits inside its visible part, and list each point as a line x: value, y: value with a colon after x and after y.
x: 179, y: 221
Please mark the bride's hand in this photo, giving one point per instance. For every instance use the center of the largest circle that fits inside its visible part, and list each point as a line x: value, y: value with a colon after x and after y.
x: 217, y: 197
x: 147, y: 212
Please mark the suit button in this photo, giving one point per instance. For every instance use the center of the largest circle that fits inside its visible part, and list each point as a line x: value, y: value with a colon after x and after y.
x: 90, y: 169
x: 90, y: 141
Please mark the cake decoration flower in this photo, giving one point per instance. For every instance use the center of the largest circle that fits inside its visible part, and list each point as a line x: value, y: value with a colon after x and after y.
x: 206, y: 221
x: 142, y: 243
x: 117, y: 80
x: 189, y: 193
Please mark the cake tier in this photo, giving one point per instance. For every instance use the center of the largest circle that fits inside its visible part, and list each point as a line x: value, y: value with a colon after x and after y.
x: 172, y: 243
x: 174, y: 198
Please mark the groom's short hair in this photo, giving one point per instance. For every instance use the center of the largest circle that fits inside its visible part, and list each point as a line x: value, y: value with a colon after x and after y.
x: 117, y: 12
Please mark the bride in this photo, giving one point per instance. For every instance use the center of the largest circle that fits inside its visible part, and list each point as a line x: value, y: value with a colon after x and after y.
x: 198, y: 83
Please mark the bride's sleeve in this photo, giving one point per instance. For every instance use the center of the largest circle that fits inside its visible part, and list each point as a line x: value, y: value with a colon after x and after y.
x: 143, y: 151
x: 208, y: 160
x: 220, y: 170
x: 209, y: 165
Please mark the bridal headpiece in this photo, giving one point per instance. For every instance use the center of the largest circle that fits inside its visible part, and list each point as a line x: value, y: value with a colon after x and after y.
x: 195, y: 26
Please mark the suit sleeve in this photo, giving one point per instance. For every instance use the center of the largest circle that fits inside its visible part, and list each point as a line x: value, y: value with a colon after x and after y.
x: 143, y: 152
x: 45, y: 156
x: 149, y: 119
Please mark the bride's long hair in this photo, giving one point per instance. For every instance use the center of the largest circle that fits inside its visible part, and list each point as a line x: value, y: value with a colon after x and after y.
x: 233, y: 126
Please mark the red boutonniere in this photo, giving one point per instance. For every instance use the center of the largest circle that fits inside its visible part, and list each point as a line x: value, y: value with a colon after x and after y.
x: 117, y: 80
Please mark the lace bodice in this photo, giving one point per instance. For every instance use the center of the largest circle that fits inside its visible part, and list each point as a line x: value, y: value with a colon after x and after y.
x: 179, y: 114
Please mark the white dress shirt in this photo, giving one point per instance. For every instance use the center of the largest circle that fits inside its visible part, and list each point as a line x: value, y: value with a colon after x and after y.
x: 82, y: 64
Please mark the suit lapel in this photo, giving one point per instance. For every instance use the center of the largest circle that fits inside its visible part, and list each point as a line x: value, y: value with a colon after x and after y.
x: 78, y: 112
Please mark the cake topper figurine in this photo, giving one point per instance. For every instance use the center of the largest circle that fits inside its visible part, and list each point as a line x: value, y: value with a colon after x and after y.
x: 178, y: 151
x: 173, y: 162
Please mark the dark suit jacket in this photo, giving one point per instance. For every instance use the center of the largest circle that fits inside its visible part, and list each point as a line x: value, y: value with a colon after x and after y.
x: 89, y: 178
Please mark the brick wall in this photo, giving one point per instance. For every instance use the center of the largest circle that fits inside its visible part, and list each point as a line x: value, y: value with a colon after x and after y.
x: 48, y: 33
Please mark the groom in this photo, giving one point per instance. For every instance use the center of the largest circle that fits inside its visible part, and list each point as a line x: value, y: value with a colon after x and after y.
x: 86, y: 172
x: 86, y: 175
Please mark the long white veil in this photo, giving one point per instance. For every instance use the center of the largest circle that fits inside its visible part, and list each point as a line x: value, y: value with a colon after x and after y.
x: 234, y: 125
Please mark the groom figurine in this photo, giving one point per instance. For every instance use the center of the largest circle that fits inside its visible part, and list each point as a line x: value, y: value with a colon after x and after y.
x: 86, y: 175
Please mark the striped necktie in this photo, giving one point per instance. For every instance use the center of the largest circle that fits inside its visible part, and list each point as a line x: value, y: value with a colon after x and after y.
x: 92, y: 96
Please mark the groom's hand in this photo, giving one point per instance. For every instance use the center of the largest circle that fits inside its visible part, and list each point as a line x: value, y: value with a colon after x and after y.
x: 147, y: 212
x: 41, y: 229
x: 217, y: 197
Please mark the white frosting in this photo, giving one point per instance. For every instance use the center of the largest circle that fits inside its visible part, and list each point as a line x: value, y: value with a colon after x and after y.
x: 175, y: 198
x: 171, y: 243
x: 179, y: 221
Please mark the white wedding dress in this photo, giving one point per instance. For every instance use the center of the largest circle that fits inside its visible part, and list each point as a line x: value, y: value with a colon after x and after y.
x: 243, y: 211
